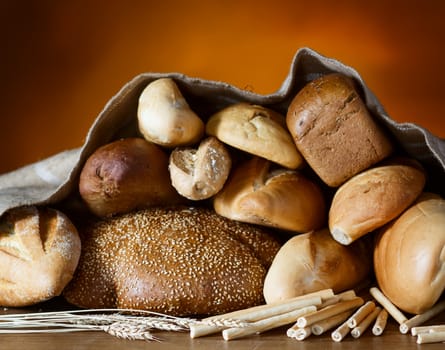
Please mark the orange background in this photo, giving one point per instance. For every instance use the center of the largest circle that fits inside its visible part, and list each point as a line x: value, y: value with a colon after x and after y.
x: 61, y: 61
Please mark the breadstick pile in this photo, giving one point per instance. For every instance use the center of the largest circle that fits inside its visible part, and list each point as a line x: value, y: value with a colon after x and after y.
x: 319, y: 312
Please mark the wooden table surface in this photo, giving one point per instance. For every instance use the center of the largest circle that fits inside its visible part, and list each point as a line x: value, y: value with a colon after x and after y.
x: 275, y: 339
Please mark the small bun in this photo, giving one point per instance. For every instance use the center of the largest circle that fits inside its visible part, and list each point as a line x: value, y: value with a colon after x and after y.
x: 200, y: 173
x: 409, y: 258
x: 178, y: 261
x: 372, y: 198
x: 334, y: 131
x: 39, y: 252
x: 256, y: 130
x: 313, y: 261
x: 126, y: 175
x: 280, y: 198
x: 164, y: 116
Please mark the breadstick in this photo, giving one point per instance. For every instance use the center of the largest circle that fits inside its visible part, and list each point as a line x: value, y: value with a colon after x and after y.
x: 388, y: 305
x: 257, y: 313
x: 380, y: 322
x: 341, y: 332
x: 422, y: 318
x: 267, y: 324
x: 361, y: 314
x: 427, y: 329
x: 329, y: 311
x: 430, y: 337
x: 322, y: 326
x: 299, y: 333
x: 364, y: 324
x: 347, y: 295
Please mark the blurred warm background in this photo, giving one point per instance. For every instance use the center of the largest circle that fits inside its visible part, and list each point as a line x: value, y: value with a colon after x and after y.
x: 61, y: 61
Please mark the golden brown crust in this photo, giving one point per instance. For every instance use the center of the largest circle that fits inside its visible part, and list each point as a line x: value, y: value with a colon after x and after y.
x: 179, y: 261
x: 409, y: 256
x: 39, y: 251
x: 372, y: 198
x: 314, y: 261
x: 256, y: 130
x: 334, y: 131
x: 125, y: 175
x: 281, y: 198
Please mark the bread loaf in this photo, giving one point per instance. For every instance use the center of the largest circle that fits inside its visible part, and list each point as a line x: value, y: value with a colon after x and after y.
x: 256, y: 130
x: 281, y: 198
x: 372, y: 198
x: 313, y: 261
x: 409, y: 256
x: 179, y: 261
x: 126, y: 175
x: 334, y: 131
x: 39, y: 251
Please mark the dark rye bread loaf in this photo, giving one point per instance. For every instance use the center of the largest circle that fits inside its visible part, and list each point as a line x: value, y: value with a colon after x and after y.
x: 179, y: 261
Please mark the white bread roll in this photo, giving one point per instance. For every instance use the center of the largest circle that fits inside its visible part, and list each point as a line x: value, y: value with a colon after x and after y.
x: 372, y: 198
x: 39, y: 252
x: 256, y: 130
x: 313, y: 261
x: 164, y: 116
x: 178, y: 261
x: 200, y: 173
x: 281, y: 198
x: 409, y: 256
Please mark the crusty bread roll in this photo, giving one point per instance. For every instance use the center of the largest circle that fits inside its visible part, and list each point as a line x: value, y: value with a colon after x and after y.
x: 256, y: 130
x: 178, y: 261
x: 164, y: 116
x: 281, y: 198
x: 200, y: 173
x: 125, y: 175
x: 39, y: 251
x: 334, y: 131
x: 313, y: 261
x: 409, y: 256
x: 372, y: 198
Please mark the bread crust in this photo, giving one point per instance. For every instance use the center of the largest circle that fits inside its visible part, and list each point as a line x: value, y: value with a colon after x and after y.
x: 179, y: 261
x: 280, y: 198
x: 409, y: 256
x: 39, y: 252
x: 313, y: 261
x: 372, y: 198
x: 334, y: 130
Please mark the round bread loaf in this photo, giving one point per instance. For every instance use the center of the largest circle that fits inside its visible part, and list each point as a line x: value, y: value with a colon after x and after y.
x: 313, y: 261
x: 280, y: 198
x: 256, y: 130
x: 39, y: 251
x: 372, y: 198
x: 409, y: 256
x: 126, y: 175
x: 178, y: 261
x: 334, y: 131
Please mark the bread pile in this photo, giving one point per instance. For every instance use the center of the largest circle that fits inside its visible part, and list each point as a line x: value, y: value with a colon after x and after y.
x: 204, y: 214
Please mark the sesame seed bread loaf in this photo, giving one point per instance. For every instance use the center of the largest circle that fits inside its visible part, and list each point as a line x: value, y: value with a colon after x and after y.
x: 39, y: 251
x: 179, y: 261
x: 334, y: 130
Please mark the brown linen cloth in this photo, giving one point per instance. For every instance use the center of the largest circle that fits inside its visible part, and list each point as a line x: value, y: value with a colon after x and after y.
x: 52, y: 180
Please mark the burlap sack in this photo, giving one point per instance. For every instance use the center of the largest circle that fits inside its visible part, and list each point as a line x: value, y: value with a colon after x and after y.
x: 54, y: 179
